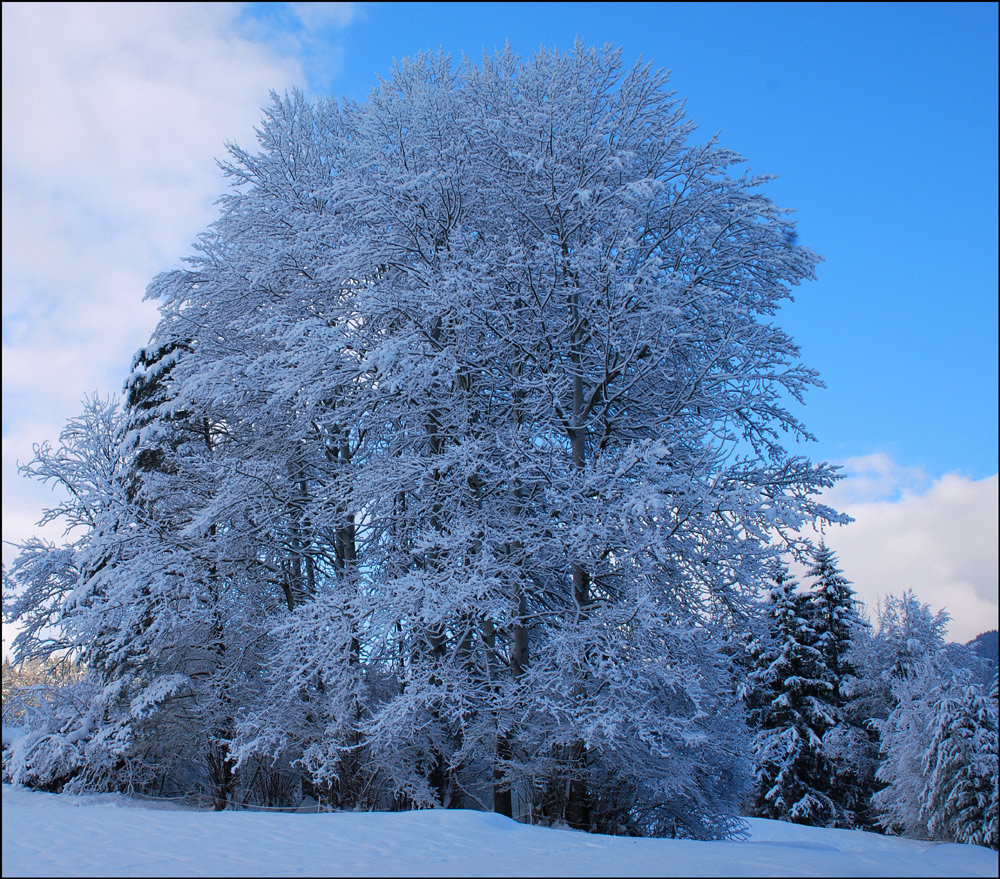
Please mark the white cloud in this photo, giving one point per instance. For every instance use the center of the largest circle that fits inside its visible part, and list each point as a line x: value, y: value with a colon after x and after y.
x: 877, y: 477
x: 325, y: 15
x: 935, y: 536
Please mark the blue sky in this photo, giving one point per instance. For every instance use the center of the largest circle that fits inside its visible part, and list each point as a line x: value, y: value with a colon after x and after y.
x: 880, y: 121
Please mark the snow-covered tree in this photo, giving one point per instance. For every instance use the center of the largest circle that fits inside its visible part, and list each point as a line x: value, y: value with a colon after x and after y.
x: 959, y: 797
x: 459, y: 448
x: 835, y: 614
x: 908, y: 675
x: 850, y: 745
x: 86, y: 475
x: 908, y: 634
x: 789, y: 692
x: 903, y: 740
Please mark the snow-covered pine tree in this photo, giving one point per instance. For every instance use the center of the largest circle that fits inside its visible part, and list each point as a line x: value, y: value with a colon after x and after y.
x: 834, y: 611
x: 958, y: 801
x: 850, y: 746
x: 789, y: 695
x: 992, y: 829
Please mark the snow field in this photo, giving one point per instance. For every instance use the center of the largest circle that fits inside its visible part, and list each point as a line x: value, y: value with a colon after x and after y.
x: 110, y: 835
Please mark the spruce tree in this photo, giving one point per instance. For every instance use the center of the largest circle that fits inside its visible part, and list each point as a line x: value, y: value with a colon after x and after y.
x: 789, y: 694
x: 959, y: 798
x: 849, y: 745
x: 835, y: 614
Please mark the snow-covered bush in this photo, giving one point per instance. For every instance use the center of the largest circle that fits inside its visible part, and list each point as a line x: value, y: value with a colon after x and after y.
x: 53, y: 727
x: 46, y: 761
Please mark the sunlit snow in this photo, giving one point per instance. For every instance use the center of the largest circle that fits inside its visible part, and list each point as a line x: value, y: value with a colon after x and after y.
x: 110, y: 835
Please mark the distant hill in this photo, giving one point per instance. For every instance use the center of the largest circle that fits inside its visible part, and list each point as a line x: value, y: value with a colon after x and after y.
x: 986, y: 646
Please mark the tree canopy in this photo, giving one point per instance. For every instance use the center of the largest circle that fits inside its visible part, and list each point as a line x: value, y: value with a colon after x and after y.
x: 459, y: 451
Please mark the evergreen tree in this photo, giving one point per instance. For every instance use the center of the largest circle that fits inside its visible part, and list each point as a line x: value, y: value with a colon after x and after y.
x: 789, y: 694
x: 850, y: 746
x: 993, y: 809
x: 959, y: 797
x: 151, y: 421
x: 835, y: 617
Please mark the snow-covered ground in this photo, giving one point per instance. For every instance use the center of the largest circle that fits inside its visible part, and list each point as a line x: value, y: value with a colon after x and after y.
x: 110, y: 835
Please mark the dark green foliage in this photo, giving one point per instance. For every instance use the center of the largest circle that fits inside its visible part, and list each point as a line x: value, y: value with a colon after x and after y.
x: 850, y: 745
x: 789, y: 694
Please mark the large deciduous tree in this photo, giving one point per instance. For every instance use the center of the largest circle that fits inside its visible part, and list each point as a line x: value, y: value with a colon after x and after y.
x: 491, y: 394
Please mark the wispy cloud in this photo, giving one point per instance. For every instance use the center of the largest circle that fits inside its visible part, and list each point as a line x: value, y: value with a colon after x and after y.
x: 311, y: 32
x: 325, y: 15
